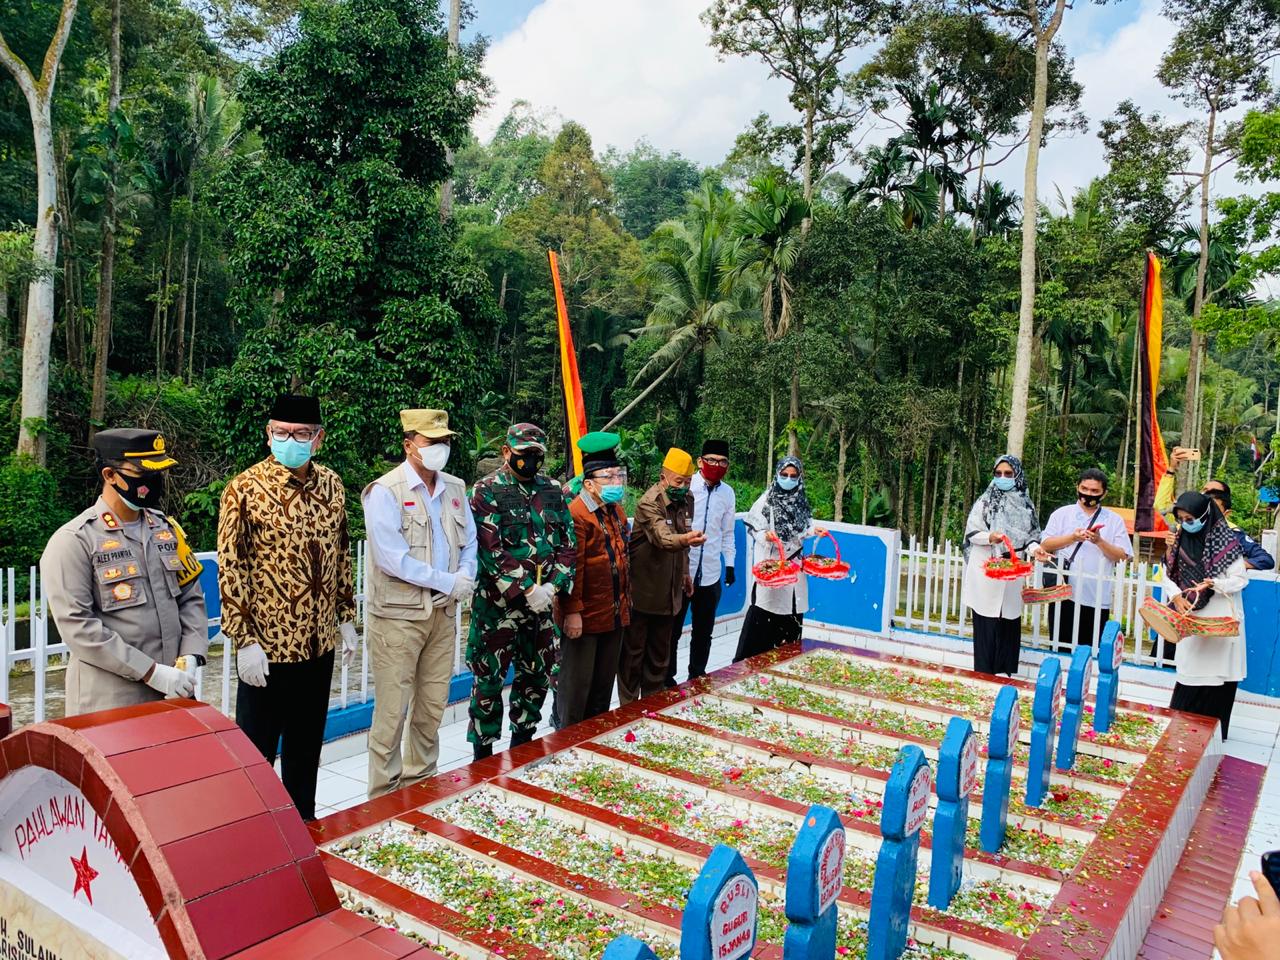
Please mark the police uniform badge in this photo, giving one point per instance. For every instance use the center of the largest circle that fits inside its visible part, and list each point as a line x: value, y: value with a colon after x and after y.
x: 122, y: 591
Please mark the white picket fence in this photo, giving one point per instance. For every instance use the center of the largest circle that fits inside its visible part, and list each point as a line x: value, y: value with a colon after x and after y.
x: 40, y: 661
x: 930, y: 582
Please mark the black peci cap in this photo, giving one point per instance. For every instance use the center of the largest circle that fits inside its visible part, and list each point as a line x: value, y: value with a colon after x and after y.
x: 294, y: 408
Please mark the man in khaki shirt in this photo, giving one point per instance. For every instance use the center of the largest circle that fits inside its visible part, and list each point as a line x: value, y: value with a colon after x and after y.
x: 422, y: 552
x: 661, y: 536
x: 288, y: 593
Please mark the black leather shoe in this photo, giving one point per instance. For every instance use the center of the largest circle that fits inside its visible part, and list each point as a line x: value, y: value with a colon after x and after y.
x: 519, y: 739
x: 482, y: 750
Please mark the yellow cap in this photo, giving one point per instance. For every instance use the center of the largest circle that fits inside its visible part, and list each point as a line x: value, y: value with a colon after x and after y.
x: 677, y: 461
x: 432, y: 424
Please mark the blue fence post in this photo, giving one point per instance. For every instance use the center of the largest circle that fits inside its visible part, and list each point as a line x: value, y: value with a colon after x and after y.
x: 1002, y: 737
x: 815, y: 877
x: 627, y: 947
x: 906, y: 805
x: 1073, y: 712
x: 957, y: 773
x: 1110, y: 656
x: 719, y: 920
x: 1044, y: 717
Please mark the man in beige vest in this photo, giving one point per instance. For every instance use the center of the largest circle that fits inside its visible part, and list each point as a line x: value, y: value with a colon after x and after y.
x: 422, y: 552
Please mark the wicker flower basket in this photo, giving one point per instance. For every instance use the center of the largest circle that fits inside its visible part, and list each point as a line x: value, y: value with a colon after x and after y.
x: 1007, y: 568
x: 776, y: 573
x: 827, y: 568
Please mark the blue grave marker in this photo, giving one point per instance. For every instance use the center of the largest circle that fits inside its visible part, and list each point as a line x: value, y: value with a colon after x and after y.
x: 1044, y: 718
x: 957, y: 774
x: 720, y: 918
x: 1001, y: 739
x: 627, y: 947
x: 1073, y: 713
x: 1110, y: 656
x: 906, y: 805
x: 815, y: 877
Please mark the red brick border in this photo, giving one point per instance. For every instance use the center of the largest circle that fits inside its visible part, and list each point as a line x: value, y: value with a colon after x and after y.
x: 224, y: 863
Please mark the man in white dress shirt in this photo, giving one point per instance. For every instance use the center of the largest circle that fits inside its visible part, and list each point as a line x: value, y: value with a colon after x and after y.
x: 422, y: 552
x: 714, y: 510
x: 1093, y: 540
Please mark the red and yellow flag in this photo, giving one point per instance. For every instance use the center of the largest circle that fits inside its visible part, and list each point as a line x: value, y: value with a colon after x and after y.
x: 1152, y: 459
x: 575, y: 412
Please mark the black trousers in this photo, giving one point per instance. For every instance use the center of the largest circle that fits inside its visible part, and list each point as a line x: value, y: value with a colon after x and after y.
x: 704, y: 601
x: 1062, y: 620
x: 588, y: 668
x: 762, y: 631
x: 997, y: 644
x: 1216, y: 701
x: 288, y: 715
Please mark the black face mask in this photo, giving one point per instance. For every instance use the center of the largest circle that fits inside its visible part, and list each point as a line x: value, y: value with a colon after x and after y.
x: 526, y: 465
x: 1090, y: 500
x: 142, y: 492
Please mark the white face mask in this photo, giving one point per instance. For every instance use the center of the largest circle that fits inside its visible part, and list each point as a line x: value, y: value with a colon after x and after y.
x: 435, y: 456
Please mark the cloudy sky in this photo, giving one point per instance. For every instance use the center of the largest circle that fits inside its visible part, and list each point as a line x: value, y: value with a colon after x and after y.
x: 628, y: 69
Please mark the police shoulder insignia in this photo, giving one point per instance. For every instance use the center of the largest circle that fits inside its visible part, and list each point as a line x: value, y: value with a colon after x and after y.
x: 122, y: 591
x: 109, y: 520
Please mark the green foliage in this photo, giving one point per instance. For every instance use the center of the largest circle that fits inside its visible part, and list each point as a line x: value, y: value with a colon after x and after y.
x: 350, y: 284
x: 29, y: 513
x: 650, y: 186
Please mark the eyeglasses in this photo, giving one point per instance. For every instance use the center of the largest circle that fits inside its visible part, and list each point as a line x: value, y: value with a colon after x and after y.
x: 609, y: 475
x: 302, y: 434
x: 716, y: 461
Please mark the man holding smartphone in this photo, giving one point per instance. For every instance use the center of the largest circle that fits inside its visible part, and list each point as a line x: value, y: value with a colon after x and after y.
x: 1088, y: 539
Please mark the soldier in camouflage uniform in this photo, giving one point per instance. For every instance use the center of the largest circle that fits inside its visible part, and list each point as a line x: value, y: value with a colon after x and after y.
x: 526, y: 555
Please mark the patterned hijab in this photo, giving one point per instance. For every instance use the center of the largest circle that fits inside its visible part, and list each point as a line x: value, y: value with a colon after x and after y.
x: 1010, y: 512
x: 1205, y: 554
x: 787, y: 511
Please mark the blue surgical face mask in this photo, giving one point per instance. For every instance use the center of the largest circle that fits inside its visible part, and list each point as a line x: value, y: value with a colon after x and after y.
x: 1005, y: 483
x: 291, y: 453
x: 788, y: 483
x: 613, y: 494
x: 1193, y: 526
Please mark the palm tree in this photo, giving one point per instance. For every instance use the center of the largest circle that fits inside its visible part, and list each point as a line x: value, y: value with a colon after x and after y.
x: 890, y: 183
x: 769, y: 221
x: 769, y: 225
x: 699, y: 294
x: 995, y: 211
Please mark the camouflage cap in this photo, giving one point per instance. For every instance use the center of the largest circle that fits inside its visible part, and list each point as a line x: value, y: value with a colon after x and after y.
x: 523, y: 435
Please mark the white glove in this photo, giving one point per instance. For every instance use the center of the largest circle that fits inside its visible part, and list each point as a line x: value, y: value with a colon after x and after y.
x: 171, y: 681
x: 350, y: 640
x: 463, y: 586
x: 251, y: 664
x: 540, y: 597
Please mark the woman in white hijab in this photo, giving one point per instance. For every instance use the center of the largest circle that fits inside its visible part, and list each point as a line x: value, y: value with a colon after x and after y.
x: 1003, y: 510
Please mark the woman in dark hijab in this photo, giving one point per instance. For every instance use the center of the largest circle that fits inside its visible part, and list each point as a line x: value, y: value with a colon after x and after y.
x: 1204, y: 575
x: 1003, y: 510
x: 776, y: 614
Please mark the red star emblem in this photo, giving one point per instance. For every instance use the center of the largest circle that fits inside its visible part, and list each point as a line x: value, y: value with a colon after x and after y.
x: 85, y: 875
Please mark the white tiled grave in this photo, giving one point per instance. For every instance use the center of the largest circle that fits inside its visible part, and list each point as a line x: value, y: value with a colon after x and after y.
x: 1255, y: 729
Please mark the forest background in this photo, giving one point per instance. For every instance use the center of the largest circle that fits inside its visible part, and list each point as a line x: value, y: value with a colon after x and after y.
x: 256, y: 196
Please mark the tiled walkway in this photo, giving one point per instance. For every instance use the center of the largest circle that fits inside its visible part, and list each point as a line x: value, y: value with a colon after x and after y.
x: 1255, y: 737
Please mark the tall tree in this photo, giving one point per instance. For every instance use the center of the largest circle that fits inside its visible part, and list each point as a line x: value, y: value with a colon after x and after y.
x: 804, y: 42
x: 650, y: 186
x: 1218, y: 59
x: 1041, y: 19
x: 107, y: 252
x: 38, y: 91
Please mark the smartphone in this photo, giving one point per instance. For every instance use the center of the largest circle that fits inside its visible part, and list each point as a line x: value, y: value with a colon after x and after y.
x: 1271, y: 869
x: 1193, y: 453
